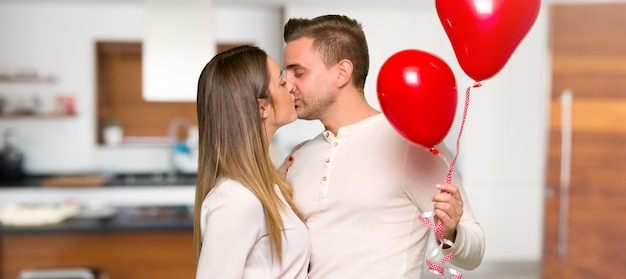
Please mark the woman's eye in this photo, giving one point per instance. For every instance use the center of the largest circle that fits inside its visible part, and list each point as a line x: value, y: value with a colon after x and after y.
x: 283, y: 83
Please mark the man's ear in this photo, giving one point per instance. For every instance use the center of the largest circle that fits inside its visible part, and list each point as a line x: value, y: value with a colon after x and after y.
x: 344, y: 72
x: 263, y: 107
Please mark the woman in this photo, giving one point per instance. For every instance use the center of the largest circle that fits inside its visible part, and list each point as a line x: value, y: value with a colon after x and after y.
x: 245, y: 223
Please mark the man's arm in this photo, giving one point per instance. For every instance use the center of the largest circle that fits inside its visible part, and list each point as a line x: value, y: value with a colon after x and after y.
x: 426, y: 175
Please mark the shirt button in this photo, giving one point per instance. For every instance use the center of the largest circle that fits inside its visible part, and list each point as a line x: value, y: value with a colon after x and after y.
x: 335, y: 143
x: 323, y: 178
x: 327, y: 160
x: 326, y: 134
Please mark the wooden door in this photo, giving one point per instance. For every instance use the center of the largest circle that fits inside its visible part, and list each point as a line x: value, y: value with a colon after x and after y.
x: 585, y: 207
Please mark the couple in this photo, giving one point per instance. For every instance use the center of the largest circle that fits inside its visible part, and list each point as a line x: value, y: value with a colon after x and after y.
x: 348, y: 207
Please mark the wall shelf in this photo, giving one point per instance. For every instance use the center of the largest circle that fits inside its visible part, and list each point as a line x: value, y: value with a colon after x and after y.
x: 26, y: 79
x: 11, y: 116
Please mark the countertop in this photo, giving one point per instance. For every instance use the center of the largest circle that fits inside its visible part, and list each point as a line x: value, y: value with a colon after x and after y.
x: 124, y: 219
x: 114, y: 180
x: 142, y: 202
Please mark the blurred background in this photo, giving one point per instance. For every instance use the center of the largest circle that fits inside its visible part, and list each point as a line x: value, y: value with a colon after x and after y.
x: 541, y: 155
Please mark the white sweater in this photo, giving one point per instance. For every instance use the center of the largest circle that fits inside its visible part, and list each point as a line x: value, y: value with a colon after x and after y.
x: 361, y: 192
x: 235, y: 242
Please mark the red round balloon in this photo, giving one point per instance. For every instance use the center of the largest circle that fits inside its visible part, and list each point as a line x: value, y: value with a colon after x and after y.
x: 484, y: 33
x: 418, y: 95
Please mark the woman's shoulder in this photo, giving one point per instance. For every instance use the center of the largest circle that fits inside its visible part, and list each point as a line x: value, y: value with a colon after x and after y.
x: 230, y: 203
x: 229, y: 190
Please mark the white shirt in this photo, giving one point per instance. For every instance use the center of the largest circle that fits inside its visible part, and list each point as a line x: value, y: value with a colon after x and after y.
x: 361, y: 193
x: 235, y: 241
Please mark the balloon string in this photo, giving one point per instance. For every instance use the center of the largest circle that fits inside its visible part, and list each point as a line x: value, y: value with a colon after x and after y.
x: 458, y: 139
x: 438, y: 229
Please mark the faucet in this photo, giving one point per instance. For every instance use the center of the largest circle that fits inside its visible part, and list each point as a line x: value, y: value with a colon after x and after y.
x: 183, y: 153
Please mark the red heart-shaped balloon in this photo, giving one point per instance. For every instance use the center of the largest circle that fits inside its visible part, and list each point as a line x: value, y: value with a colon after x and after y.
x: 484, y: 33
x: 417, y: 94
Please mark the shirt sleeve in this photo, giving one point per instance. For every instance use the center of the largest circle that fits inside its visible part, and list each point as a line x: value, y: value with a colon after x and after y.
x: 423, y: 171
x: 234, y: 220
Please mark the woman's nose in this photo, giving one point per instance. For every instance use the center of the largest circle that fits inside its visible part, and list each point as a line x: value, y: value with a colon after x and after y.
x: 291, y: 87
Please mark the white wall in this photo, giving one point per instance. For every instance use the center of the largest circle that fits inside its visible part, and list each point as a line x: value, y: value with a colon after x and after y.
x: 502, y: 155
x: 59, y: 37
x: 261, y: 25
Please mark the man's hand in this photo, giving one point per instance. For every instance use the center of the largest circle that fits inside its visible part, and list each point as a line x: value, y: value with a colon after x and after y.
x: 448, y: 209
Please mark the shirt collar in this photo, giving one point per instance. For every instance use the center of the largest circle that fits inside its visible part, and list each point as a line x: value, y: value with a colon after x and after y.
x: 351, y: 129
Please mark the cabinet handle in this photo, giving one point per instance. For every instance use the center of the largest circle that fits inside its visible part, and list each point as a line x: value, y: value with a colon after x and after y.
x: 566, y: 163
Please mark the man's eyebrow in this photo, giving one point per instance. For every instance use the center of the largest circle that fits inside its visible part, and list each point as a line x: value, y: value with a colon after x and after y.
x: 291, y: 66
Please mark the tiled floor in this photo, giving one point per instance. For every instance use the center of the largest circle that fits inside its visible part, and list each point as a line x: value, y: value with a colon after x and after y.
x: 508, y: 270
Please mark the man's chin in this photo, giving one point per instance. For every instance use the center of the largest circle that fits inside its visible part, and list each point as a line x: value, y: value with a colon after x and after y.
x: 300, y: 113
x: 303, y: 115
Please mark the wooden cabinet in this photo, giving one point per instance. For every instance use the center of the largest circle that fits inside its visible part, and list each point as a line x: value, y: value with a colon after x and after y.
x: 122, y: 255
x: 119, y: 97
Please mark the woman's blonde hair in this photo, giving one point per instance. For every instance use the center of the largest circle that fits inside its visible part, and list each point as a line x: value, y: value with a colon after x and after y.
x: 232, y: 141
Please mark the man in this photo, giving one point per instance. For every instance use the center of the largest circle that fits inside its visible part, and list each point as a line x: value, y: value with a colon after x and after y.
x: 360, y: 185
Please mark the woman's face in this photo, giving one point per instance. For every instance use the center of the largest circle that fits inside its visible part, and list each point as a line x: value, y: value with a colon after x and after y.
x: 283, y: 111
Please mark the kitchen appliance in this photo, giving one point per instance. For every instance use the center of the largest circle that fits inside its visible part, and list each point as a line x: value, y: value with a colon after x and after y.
x: 63, y: 273
x: 11, y: 158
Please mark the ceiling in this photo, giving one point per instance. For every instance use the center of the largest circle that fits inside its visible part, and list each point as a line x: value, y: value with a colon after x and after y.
x: 355, y: 3
x: 424, y: 3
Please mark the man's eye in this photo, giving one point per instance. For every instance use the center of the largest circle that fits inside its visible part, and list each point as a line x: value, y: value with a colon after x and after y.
x: 295, y: 73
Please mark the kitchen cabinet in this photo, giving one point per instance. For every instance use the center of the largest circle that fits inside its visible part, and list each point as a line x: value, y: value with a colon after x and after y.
x: 138, y: 242
x: 122, y: 255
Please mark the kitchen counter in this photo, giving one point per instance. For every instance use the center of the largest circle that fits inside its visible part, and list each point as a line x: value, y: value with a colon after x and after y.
x: 116, y: 180
x: 148, y: 235
x: 122, y: 219
x: 147, y: 202
x: 138, y: 242
x: 120, y: 191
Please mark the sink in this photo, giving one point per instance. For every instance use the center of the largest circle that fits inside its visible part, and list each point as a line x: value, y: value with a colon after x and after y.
x: 152, y: 179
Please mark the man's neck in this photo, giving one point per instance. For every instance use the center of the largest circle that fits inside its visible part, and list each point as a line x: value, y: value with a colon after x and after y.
x: 347, y: 112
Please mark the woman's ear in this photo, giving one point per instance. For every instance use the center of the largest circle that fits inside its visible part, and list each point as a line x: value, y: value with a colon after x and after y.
x: 263, y: 107
x: 344, y: 72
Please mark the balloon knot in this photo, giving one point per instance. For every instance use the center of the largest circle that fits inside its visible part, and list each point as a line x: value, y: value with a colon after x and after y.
x: 434, y: 151
x: 477, y: 84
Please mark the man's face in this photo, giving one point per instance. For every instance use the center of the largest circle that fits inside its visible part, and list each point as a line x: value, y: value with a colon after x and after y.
x: 314, y: 85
